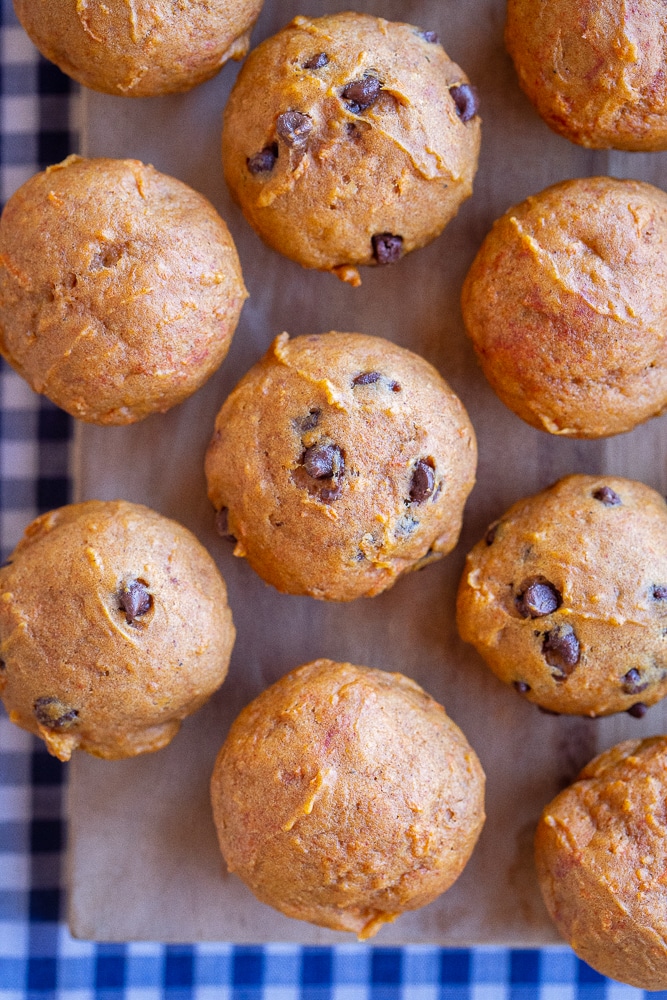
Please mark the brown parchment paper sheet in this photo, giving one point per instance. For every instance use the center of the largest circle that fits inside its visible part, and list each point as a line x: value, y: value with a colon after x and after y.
x: 143, y: 859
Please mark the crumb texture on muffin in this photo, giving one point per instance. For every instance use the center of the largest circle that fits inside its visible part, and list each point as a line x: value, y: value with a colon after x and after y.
x: 345, y: 796
x: 565, y: 597
x: 120, y: 288
x: 601, y: 856
x: 114, y: 626
x: 339, y: 462
x: 140, y: 48
x: 566, y: 306
x: 349, y: 139
x: 594, y: 69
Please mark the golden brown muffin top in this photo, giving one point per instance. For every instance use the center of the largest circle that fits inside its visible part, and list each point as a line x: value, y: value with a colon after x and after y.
x: 142, y: 48
x: 601, y: 853
x: 345, y: 795
x: 566, y: 596
x: 566, y: 305
x: 114, y: 626
x: 345, y: 129
x: 120, y: 288
x: 594, y: 69
x: 341, y: 461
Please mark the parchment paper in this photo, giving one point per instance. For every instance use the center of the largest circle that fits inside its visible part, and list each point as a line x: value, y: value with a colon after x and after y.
x: 144, y: 863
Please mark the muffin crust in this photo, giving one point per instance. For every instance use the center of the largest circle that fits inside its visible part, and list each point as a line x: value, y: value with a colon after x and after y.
x: 120, y: 288
x: 143, y: 48
x: 338, y: 463
x: 565, y: 597
x: 345, y: 796
x: 349, y: 140
x: 114, y: 626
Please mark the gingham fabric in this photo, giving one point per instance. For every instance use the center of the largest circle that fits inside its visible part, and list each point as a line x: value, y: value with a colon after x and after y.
x: 38, y: 958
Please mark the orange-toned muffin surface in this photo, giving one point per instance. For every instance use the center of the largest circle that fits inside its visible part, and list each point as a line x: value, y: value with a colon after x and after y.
x: 349, y: 140
x: 345, y: 796
x: 566, y: 306
x: 565, y: 597
x: 339, y: 462
x: 601, y: 856
x: 142, y: 48
x: 120, y: 288
x: 114, y: 626
x: 594, y: 69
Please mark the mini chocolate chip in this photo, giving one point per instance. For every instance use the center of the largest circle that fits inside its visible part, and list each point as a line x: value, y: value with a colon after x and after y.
x: 466, y: 100
x: 429, y: 36
x: 638, y: 710
x: 521, y: 687
x: 3, y: 665
x: 366, y: 378
x: 317, y: 62
x: 264, y: 161
x: 52, y: 713
x: 134, y: 600
x: 423, y: 480
x: 491, y: 533
x: 632, y: 682
x: 310, y: 422
x: 330, y: 493
x: 361, y: 94
x: 323, y: 461
x: 537, y: 597
x: 607, y: 496
x: 660, y: 592
x: 294, y: 128
x: 387, y: 248
x: 561, y: 650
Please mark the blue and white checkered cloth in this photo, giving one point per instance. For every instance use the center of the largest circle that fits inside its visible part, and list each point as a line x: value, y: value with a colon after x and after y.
x: 38, y: 957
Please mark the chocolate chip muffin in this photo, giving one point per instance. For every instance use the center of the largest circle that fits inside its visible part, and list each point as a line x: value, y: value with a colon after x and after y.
x: 114, y: 626
x: 120, y: 288
x: 566, y: 306
x: 594, y: 69
x: 345, y: 796
x: 566, y: 597
x: 601, y: 855
x: 338, y: 463
x: 142, y: 48
x: 350, y: 140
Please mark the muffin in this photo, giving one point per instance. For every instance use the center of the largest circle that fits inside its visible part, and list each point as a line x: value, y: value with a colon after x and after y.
x: 350, y: 140
x: 601, y: 856
x: 566, y: 597
x: 142, y: 48
x: 120, y: 288
x: 345, y: 796
x: 338, y: 463
x: 593, y: 70
x: 114, y: 626
x: 566, y: 306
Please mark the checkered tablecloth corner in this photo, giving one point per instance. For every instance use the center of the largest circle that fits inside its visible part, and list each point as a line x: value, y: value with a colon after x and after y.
x: 39, y: 960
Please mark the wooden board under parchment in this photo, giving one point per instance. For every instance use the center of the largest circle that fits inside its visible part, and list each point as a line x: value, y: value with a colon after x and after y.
x: 143, y: 859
